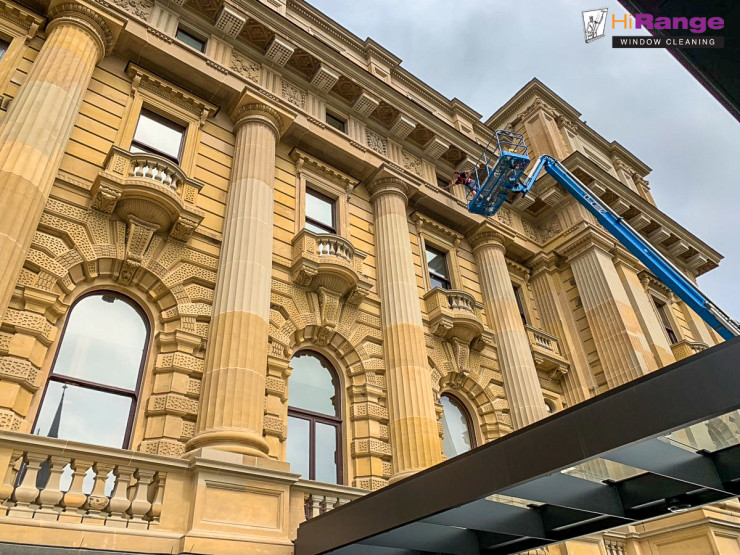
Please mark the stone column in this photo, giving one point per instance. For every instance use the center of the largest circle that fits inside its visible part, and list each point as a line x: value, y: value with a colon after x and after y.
x: 652, y: 330
x: 233, y: 398
x: 35, y: 131
x: 522, y: 385
x: 557, y: 319
x: 614, y: 325
x: 413, y: 423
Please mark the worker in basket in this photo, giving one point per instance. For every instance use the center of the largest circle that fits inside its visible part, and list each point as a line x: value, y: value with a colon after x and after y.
x: 463, y: 178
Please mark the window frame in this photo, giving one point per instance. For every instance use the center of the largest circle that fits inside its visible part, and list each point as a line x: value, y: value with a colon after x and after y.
x: 313, y: 417
x: 191, y: 35
x: 134, y: 394
x: 457, y: 402
x: 664, y: 318
x: 332, y: 201
x: 520, y: 303
x: 433, y: 275
x: 155, y: 116
x: 342, y: 127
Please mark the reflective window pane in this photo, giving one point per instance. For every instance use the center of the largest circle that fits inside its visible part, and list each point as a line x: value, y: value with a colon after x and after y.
x: 456, y: 433
x: 312, y: 385
x: 326, y: 453
x: 3, y: 47
x: 437, y: 264
x: 298, y: 446
x: 319, y: 213
x: 190, y: 40
x: 85, y: 415
x: 157, y: 134
x: 103, y: 342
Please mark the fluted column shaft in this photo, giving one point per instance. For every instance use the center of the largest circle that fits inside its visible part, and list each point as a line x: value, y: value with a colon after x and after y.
x: 521, y: 383
x: 413, y: 424
x: 35, y: 131
x: 233, y: 398
x: 613, y: 323
x: 557, y: 319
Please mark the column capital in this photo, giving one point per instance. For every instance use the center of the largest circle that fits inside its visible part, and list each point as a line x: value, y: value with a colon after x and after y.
x: 258, y: 112
x: 486, y: 235
x: 586, y: 240
x: 103, y: 27
x: 388, y: 186
x: 543, y: 262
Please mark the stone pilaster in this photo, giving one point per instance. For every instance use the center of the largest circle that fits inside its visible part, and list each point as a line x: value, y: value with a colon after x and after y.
x: 233, y: 398
x: 526, y: 402
x: 557, y: 319
x: 614, y: 325
x: 35, y: 131
x: 657, y: 342
x: 413, y: 423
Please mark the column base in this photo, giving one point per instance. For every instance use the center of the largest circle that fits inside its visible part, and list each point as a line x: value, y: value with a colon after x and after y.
x: 234, y: 441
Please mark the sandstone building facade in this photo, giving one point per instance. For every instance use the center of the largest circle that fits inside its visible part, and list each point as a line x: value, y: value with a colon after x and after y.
x: 237, y: 293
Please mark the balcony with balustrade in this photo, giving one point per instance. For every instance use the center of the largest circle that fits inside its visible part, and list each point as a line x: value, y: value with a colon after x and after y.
x: 454, y: 315
x: 546, y: 353
x: 59, y: 492
x: 148, y: 187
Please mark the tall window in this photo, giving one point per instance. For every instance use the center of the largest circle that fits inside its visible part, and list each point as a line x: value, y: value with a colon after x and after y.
x: 314, y: 419
x: 520, y: 304
x: 458, y: 429
x: 158, y: 135
x: 93, y: 386
x: 439, y: 275
x: 663, y: 314
x: 320, y: 214
x: 4, y: 45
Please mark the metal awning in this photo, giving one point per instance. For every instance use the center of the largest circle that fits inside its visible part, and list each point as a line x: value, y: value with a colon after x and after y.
x: 661, y: 444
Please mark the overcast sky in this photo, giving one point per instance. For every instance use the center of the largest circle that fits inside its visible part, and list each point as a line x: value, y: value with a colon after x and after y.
x: 642, y: 98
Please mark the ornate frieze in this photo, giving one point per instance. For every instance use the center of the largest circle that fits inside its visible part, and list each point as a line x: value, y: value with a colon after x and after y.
x: 377, y: 142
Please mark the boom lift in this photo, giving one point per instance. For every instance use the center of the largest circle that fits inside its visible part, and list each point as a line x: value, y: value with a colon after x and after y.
x: 500, y: 175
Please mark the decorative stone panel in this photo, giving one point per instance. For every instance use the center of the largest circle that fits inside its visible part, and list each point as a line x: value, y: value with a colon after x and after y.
x: 377, y: 142
x: 365, y: 104
x: 294, y: 94
x: 402, y: 126
x: 436, y: 147
x: 245, y: 67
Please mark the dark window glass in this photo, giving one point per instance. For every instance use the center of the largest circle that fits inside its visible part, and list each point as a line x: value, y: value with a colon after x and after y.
x: 314, y: 421
x: 458, y: 433
x: 520, y: 304
x: 443, y: 182
x: 158, y: 135
x: 191, y: 40
x: 3, y: 47
x: 336, y: 123
x: 92, y: 388
x: 437, y: 264
x: 663, y: 313
x: 319, y: 213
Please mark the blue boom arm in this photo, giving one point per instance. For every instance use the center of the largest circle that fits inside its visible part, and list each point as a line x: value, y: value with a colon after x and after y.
x: 641, y: 249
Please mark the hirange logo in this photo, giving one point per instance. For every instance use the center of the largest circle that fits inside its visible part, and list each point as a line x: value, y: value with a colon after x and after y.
x: 595, y: 23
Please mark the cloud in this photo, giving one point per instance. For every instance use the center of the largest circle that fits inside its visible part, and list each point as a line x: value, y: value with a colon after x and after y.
x: 483, y: 52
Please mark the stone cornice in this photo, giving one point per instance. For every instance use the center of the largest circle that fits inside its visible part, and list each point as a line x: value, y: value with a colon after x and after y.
x: 578, y: 160
x: 315, y: 165
x: 517, y: 269
x: 423, y: 221
x: 141, y: 78
x: 543, y: 262
x: 103, y: 27
x: 623, y: 256
x: 20, y: 16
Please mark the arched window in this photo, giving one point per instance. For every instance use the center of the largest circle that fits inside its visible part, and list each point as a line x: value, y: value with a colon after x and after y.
x: 458, y: 429
x: 93, y: 386
x: 314, y: 419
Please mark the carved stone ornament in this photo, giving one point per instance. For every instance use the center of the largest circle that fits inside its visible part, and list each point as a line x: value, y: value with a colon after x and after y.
x: 245, y: 67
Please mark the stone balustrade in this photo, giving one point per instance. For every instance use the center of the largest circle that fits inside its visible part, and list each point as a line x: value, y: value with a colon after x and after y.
x: 149, y: 187
x: 453, y: 313
x: 684, y: 349
x: 546, y: 352
x: 320, y: 497
x: 329, y: 261
x: 58, y: 480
